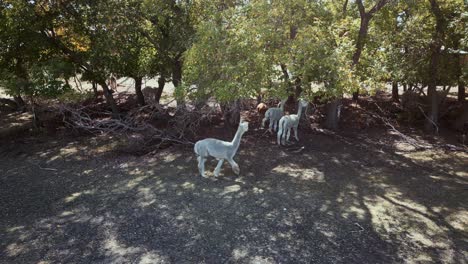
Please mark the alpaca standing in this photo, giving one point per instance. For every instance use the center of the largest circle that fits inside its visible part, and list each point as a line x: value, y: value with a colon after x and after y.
x: 220, y: 150
x: 274, y: 114
x: 290, y: 121
x: 262, y: 108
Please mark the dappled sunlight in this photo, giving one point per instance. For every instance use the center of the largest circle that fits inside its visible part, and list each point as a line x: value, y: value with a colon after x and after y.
x: 415, y: 230
x: 458, y: 220
x: 230, y: 189
x: 311, y: 174
x: 15, y: 249
x: 74, y: 196
x: 318, y: 206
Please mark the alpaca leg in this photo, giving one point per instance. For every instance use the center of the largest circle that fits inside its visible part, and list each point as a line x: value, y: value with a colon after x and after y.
x: 264, y: 121
x: 283, y: 136
x: 278, y: 138
x: 271, y: 125
x: 295, y: 134
x: 218, y: 167
x: 201, y: 166
x: 234, y: 166
x: 289, y: 135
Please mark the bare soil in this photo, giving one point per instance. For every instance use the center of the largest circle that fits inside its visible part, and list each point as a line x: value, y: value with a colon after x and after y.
x: 361, y: 196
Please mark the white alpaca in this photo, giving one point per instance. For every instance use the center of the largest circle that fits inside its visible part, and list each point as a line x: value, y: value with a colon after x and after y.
x: 274, y: 114
x: 220, y: 150
x: 290, y: 121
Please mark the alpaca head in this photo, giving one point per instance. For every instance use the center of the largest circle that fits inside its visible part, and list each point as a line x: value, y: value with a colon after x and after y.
x: 244, y: 126
x: 281, y: 104
x: 303, y: 103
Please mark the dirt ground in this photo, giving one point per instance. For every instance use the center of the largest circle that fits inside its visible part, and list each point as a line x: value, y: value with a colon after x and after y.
x: 342, y: 199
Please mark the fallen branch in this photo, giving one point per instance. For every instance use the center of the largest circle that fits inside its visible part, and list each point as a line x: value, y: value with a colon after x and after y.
x: 433, y: 123
x: 415, y: 143
x: 42, y: 168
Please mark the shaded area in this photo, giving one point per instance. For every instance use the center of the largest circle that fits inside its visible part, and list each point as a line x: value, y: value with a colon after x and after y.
x: 340, y: 200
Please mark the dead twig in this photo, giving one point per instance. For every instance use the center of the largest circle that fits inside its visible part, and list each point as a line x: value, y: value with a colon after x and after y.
x: 433, y: 123
x: 42, y: 168
x: 361, y: 229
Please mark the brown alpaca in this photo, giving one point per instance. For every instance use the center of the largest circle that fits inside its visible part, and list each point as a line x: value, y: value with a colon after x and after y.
x: 262, y: 108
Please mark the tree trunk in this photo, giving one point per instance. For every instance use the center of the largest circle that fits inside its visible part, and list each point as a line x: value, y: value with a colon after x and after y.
x: 431, y: 123
x: 95, y: 91
x: 462, y: 120
x: 461, y: 91
x: 333, y: 110
x: 176, y: 80
x: 284, y: 69
x: 363, y: 29
x: 109, y: 99
x: 20, y: 102
x: 161, y: 83
x: 139, y: 94
x: 395, y: 96
x: 298, y: 88
x: 231, y: 114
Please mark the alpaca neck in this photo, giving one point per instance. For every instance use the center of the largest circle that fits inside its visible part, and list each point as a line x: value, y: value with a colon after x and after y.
x: 299, y: 111
x: 282, y: 106
x: 236, y: 141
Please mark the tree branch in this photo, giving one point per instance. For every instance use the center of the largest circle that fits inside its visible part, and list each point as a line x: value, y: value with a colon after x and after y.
x: 362, y: 10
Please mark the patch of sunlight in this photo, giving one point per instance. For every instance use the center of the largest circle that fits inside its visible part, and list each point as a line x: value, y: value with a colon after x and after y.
x: 114, y: 247
x: 240, y: 180
x: 463, y: 174
x: 257, y: 190
x: 286, y: 235
x: 188, y: 185
x: 423, y: 258
x: 325, y: 230
x: 458, y: 220
x: 74, y: 196
x: 135, y: 171
x: 146, y: 195
x: 67, y: 213
x: 426, y: 155
x: 354, y: 210
x: 15, y: 249
x: 44, y: 154
x: 410, y: 226
x: 311, y: 174
x: 349, y: 199
x: 261, y: 260
x: 239, y: 253
x: 323, y: 208
x: 87, y: 172
x: 230, y: 189
x: 68, y: 150
x: 166, y: 157
x: 105, y: 148
x: 152, y: 258
x: 134, y: 182
x: 403, y: 146
x: 15, y: 228
x: 410, y: 204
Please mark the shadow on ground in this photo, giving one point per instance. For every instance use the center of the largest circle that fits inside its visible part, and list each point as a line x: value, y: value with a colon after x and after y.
x: 334, y: 202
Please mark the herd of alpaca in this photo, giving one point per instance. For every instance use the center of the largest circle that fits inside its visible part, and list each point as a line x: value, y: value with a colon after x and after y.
x: 224, y: 150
